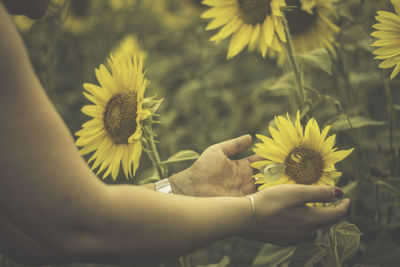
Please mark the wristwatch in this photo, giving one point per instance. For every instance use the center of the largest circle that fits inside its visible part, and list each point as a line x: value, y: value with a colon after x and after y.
x: 163, y: 186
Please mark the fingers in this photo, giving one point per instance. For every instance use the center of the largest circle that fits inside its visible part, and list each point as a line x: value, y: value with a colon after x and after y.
x: 322, y: 217
x: 301, y: 194
x: 254, y: 158
x: 236, y: 145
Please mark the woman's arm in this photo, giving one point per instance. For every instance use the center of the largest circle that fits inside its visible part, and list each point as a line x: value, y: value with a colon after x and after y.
x: 50, y: 195
x: 60, y: 203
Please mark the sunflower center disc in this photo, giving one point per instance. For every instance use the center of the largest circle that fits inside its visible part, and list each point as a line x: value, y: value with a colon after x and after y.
x: 120, y: 117
x: 304, y: 165
x: 299, y: 21
x: 254, y: 11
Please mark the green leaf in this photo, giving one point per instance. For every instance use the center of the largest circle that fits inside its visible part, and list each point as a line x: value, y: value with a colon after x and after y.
x: 153, y: 178
x: 284, y: 83
x: 307, y: 255
x: 318, y: 58
x: 347, y: 237
x: 347, y: 228
x: 396, y: 107
x: 343, y: 122
x: 388, y: 187
x: 182, y: 155
x: 348, y: 189
x: 276, y: 87
x: 223, y: 263
x: 271, y: 255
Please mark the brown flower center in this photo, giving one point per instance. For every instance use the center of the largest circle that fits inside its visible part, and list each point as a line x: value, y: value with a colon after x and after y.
x: 254, y: 11
x: 299, y: 21
x: 304, y: 165
x: 120, y: 117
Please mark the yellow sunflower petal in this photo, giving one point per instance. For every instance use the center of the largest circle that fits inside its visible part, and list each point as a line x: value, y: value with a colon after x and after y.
x: 282, y: 180
x: 320, y: 30
x: 325, y: 180
x: 93, y: 111
x: 116, y: 161
x: 312, y: 153
x: 261, y: 163
x: 337, y: 156
x: 137, y: 152
x: 237, y: 20
x: 239, y: 40
x: 114, y: 133
x: 395, y: 71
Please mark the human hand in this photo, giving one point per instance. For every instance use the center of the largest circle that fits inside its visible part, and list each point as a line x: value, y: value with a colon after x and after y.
x: 283, y: 218
x: 215, y: 174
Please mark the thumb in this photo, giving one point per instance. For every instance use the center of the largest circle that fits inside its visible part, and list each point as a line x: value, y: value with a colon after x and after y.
x: 236, y: 145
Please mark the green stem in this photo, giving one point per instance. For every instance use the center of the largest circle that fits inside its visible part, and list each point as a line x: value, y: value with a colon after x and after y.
x: 182, y: 262
x: 391, y: 120
x: 379, y: 214
x: 333, y: 242
x: 292, y: 61
x: 390, y: 210
x: 153, y: 153
x: 378, y: 204
x: 188, y: 261
x: 344, y: 85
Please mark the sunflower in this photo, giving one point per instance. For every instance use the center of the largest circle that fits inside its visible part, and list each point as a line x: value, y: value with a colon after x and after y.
x: 118, y: 114
x: 23, y: 23
x: 294, y: 156
x: 119, y: 5
x: 252, y: 23
x: 78, y: 16
x: 310, y: 25
x: 388, y: 33
x: 129, y: 46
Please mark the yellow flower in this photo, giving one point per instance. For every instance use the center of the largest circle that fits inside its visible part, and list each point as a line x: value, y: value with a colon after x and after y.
x: 23, y: 23
x: 252, y: 23
x: 78, y: 17
x: 118, y: 5
x: 310, y: 25
x: 294, y: 156
x: 388, y: 33
x: 129, y: 46
x: 118, y: 114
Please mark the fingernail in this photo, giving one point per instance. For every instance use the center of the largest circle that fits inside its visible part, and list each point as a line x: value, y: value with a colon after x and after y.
x: 338, y: 193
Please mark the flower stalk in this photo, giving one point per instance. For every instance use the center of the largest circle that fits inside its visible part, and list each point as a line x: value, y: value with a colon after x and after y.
x: 152, y: 152
x: 391, y: 123
x: 342, y: 76
x: 292, y: 62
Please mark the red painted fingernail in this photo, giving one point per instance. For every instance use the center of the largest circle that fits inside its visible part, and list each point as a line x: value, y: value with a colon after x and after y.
x: 338, y: 193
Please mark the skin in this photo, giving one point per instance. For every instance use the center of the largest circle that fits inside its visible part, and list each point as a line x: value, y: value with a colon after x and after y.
x: 61, y: 212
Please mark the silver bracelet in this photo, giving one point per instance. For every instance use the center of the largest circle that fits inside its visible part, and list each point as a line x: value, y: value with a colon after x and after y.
x: 253, y: 210
x: 163, y: 186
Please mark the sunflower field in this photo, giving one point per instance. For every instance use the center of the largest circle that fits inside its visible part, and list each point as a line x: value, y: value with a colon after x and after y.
x: 315, y: 82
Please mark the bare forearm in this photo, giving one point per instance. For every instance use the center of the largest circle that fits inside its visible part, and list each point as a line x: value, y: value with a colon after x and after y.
x: 23, y: 248
x: 140, y: 225
x: 59, y: 203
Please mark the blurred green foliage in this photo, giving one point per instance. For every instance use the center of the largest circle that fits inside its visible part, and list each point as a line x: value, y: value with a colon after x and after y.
x: 209, y: 99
